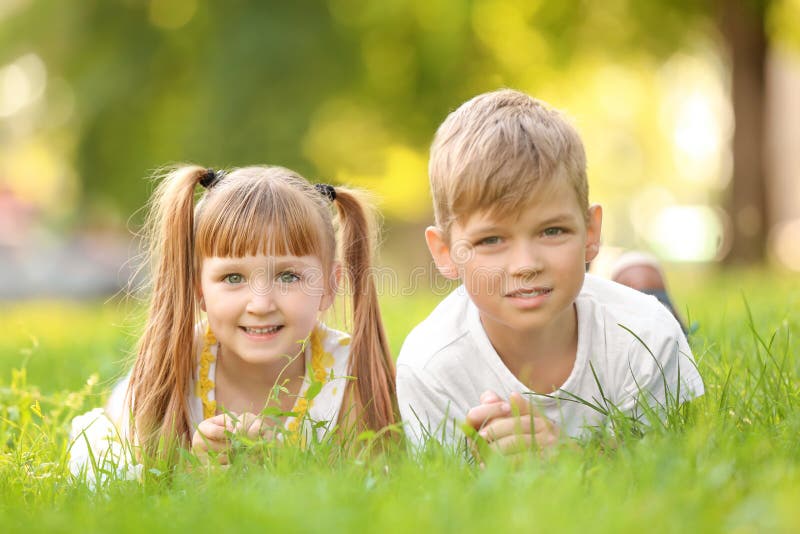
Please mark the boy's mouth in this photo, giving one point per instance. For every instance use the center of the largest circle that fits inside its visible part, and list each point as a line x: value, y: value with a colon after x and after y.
x: 529, y: 293
x: 262, y: 331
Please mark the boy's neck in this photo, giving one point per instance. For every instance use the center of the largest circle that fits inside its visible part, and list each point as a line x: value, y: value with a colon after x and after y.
x: 541, y: 359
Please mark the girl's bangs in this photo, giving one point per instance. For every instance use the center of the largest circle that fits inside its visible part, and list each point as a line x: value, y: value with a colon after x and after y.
x: 258, y: 221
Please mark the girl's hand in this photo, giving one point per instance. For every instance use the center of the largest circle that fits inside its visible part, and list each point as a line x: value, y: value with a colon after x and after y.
x: 512, y: 427
x: 211, y: 436
x: 253, y: 427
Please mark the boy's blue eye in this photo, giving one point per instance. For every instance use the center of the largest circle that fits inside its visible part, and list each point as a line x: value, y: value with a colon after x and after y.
x: 553, y: 231
x: 491, y: 240
x: 234, y: 278
x: 288, y: 277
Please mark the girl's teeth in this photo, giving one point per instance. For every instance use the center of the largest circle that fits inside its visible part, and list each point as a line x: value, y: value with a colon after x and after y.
x: 262, y: 331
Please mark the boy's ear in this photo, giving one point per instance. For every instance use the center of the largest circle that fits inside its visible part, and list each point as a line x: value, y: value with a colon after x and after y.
x: 593, y: 231
x: 332, y: 287
x: 440, y: 251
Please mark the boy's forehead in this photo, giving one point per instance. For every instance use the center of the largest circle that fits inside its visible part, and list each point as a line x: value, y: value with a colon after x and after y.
x: 545, y: 201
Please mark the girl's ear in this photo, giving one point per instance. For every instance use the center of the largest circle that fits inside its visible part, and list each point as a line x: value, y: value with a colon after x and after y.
x: 593, y: 231
x: 332, y: 287
x: 440, y: 251
x: 200, y: 299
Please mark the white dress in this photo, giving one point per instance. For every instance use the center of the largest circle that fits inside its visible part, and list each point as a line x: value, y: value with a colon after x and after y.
x: 99, y: 443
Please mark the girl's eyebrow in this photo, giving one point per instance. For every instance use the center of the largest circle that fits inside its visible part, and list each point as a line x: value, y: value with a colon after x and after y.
x: 241, y: 264
x: 291, y: 262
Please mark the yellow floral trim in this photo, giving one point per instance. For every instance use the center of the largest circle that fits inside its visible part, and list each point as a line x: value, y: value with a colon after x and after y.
x: 205, y: 384
x: 321, y: 360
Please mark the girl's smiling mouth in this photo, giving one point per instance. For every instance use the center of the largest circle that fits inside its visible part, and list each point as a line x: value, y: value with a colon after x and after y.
x: 262, y: 330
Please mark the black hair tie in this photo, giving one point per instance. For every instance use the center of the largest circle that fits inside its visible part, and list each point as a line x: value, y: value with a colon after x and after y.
x: 211, y: 177
x: 327, y: 191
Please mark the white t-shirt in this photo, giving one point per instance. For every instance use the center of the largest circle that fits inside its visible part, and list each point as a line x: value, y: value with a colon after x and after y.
x: 448, y: 361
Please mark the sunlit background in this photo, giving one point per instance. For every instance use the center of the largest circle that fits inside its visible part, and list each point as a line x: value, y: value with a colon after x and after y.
x: 95, y: 96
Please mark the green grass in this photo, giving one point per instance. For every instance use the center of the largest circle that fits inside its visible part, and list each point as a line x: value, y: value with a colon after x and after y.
x: 730, y: 462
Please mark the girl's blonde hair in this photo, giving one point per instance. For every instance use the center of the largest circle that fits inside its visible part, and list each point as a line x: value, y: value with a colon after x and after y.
x: 252, y: 210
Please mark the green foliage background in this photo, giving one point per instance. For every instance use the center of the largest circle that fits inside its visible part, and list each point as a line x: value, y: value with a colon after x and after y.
x: 322, y: 87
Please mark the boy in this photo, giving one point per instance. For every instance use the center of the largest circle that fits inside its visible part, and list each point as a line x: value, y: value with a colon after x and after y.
x: 528, y: 332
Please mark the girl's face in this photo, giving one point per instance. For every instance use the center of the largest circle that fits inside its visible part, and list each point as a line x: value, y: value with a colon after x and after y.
x: 261, y: 308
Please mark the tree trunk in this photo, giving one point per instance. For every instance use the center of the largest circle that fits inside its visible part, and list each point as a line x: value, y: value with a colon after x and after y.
x: 742, y: 25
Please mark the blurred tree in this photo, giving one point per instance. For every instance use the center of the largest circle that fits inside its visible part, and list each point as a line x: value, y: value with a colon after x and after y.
x: 742, y: 23
x: 345, y: 88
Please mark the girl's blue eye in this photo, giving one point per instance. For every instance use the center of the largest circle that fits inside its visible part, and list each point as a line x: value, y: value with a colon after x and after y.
x: 234, y: 278
x: 288, y: 277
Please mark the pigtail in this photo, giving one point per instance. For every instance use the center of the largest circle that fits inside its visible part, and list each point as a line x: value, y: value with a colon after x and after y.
x: 371, y: 360
x: 163, y: 369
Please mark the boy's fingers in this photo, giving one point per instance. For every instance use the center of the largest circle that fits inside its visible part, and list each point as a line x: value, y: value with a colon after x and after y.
x: 489, y: 396
x: 517, y: 441
x: 481, y: 414
x: 513, y: 444
x: 506, y: 426
x: 522, y: 405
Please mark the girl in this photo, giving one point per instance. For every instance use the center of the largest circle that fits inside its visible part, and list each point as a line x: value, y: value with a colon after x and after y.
x: 257, y: 254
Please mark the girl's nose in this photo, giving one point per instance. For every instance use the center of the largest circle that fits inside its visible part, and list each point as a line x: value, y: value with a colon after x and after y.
x: 261, y: 301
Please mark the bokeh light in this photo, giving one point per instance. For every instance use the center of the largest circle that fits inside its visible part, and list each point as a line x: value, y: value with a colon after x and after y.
x: 22, y: 83
x: 686, y: 233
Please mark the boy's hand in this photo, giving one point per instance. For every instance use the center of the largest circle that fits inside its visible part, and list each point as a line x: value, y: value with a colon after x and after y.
x: 511, y: 427
x: 491, y: 407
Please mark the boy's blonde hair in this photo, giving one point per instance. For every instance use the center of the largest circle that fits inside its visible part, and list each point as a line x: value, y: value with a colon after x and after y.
x: 494, y: 151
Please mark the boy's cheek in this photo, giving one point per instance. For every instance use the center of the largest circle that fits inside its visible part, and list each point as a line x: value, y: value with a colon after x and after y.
x: 462, y: 252
x: 484, y: 280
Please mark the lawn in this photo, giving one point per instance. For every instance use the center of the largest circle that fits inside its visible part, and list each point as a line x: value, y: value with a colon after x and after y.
x: 728, y: 462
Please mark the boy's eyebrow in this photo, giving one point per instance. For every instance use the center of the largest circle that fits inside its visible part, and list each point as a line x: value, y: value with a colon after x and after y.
x: 489, y: 228
x: 559, y: 218
x: 493, y: 227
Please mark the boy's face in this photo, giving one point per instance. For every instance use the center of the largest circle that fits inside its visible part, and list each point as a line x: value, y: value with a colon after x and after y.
x: 523, y: 273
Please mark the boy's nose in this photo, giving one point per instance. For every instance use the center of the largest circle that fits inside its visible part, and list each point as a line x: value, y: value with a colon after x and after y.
x: 525, y: 260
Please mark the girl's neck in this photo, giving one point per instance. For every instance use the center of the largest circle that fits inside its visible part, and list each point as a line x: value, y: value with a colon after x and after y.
x: 241, y: 386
